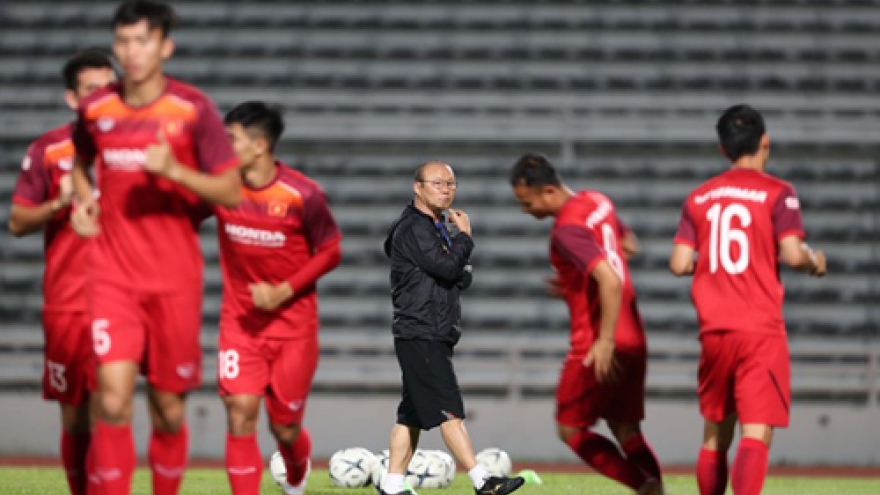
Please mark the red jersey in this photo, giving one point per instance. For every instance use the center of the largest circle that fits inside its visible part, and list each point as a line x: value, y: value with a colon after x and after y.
x: 148, y: 238
x: 734, y: 221
x: 268, y: 237
x: 586, y: 231
x: 48, y: 159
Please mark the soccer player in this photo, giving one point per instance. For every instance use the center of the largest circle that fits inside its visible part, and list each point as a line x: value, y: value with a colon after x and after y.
x: 42, y: 199
x: 429, y: 269
x: 740, y: 223
x: 160, y: 149
x: 603, y: 376
x: 274, y: 247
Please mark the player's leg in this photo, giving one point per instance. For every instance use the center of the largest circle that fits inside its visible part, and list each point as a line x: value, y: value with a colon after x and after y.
x: 578, y: 398
x: 401, y: 447
x: 243, y: 376
x: 244, y: 462
x: 712, y: 470
x: 628, y: 410
x: 173, y: 367
x: 112, y: 458
x: 292, y: 369
x: 763, y: 398
x: 68, y: 372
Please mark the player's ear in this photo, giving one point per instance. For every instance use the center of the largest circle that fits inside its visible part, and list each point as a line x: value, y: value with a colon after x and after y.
x: 168, y: 47
x: 765, y: 141
x: 71, y: 99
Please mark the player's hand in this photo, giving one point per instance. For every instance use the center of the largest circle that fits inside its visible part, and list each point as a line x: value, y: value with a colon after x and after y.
x: 270, y: 297
x: 461, y: 220
x: 84, y: 218
x: 601, y: 357
x: 65, y: 194
x: 820, y: 262
x: 160, y: 159
x: 553, y: 286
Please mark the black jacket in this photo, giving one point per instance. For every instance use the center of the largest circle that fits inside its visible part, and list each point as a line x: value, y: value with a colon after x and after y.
x: 427, y: 275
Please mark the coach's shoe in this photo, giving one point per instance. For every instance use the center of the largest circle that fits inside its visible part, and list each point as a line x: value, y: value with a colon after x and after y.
x: 500, y: 485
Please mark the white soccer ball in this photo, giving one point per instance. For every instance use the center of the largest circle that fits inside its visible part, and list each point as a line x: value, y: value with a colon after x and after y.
x: 277, y: 468
x: 495, y: 461
x: 425, y: 470
x: 438, y: 470
x: 352, y: 467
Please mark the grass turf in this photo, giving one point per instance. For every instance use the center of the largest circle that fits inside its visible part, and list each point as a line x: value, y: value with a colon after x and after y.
x: 33, y: 481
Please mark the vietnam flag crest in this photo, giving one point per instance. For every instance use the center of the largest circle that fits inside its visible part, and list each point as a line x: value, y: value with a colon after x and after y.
x: 277, y: 209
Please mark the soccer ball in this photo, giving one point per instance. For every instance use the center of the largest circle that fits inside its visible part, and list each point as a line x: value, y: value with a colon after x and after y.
x: 352, y: 467
x: 425, y: 470
x: 437, y: 470
x: 495, y: 461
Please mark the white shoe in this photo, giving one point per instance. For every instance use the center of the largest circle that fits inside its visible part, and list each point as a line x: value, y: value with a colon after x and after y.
x: 279, y: 474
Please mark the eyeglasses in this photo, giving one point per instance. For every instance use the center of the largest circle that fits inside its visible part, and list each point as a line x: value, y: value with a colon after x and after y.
x: 438, y: 184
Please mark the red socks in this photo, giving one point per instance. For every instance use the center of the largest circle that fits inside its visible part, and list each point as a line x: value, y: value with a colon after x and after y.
x: 244, y: 464
x: 712, y: 472
x: 296, y: 457
x: 638, y: 452
x: 602, y: 455
x: 167, y: 456
x: 750, y: 467
x: 111, y: 459
x: 74, y: 448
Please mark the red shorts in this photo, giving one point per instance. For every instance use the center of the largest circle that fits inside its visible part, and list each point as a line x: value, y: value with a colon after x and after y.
x: 69, y: 367
x: 158, y: 331
x: 747, y: 374
x: 581, y: 400
x: 280, y: 369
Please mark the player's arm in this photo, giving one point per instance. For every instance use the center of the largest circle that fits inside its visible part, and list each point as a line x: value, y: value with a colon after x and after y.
x: 223, y: 189
x: 84, y: 218
x: 601, y: 354
x: 31, y: 206
x: 796, y: 254
x: 268, y: 297
x: 681, y: 262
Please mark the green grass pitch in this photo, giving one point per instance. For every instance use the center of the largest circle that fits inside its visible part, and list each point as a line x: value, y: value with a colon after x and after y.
x: 34, y: 481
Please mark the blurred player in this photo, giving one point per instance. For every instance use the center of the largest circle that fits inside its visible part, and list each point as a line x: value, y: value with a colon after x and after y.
x: 604, y: 372
x: 740, y: 223
x: 42, y: 199
x: 274, y: 246
x: 159, y: 148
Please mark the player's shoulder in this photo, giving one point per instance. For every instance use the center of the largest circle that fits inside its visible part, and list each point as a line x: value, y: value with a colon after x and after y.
x: 108, y: 95
x: 187, y: 92
x: 583, y: 206
x: 54, y: 137
x: 297, y: 179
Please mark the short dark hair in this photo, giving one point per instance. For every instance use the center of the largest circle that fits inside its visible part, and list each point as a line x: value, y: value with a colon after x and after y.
x: 157, y: 14
x: 534, y: 170
x: 740, y: 129
x: 261, y: 116
x: 90, y: 58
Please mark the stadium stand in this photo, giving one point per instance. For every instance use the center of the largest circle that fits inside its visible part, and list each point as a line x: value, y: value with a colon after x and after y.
x: 622, y: 94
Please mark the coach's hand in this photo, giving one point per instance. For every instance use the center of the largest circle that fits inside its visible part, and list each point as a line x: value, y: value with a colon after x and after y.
x: 461, y: 220
x: 160, y: 158
x: 270, y: 297
x: 84, y: 218
x: 601, y: 357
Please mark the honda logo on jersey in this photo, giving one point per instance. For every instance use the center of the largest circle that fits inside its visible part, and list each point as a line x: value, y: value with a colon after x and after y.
x: 277, y: 209
x: 125, y: 159
x: 257, y: 237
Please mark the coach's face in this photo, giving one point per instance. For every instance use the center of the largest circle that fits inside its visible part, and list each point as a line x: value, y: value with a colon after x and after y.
x: 436, y: 188
x: 141, y: 50
x: 533, y: 200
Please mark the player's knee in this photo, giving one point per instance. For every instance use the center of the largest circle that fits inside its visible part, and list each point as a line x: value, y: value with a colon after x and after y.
x: 241, y: 414
x: 623, y: 432
x: 286, y: 434
x: 566, y: 432
x: 114, y: 408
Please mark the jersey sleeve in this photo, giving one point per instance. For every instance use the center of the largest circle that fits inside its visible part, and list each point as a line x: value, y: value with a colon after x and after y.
x: 32, y: 186
x: 687, y: 230
x: 579, y: 247
x: 83, y: 140
x: 213, y: 149
x: 786, y: 215
x: 319, y: 225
